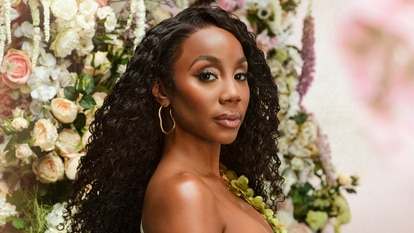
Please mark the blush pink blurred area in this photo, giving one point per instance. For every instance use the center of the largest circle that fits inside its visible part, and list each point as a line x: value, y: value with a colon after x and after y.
x: 376, y: 42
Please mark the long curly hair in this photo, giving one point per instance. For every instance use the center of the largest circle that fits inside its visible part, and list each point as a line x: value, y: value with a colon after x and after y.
x: 126, y: 143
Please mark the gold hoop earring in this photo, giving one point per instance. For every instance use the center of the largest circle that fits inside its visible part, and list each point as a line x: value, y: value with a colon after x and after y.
x: 172, y: 118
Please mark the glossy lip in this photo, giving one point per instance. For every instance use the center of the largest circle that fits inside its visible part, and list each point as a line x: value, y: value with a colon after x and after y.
x: 229, y: 119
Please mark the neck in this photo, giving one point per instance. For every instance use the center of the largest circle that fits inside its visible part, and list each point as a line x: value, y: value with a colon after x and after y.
x: 193, y: 154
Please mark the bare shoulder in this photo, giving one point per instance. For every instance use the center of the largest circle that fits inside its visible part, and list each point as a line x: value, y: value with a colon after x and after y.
x: 180, y: 202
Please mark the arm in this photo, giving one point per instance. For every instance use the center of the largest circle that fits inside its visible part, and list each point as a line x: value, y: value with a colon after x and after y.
x: 181, y: 204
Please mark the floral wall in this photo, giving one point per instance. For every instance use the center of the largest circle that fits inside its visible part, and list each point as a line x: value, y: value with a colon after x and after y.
x: 59, y: 59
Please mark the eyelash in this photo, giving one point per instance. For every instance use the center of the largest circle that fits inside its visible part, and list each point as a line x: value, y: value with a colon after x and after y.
x: 205, y: 76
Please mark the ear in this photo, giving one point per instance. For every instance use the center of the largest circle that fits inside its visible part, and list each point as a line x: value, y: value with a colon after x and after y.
x: 160, y: 95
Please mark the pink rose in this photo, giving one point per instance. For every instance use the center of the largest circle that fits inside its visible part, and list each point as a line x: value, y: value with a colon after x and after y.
x: 102, y: 3
x: 16, y: 68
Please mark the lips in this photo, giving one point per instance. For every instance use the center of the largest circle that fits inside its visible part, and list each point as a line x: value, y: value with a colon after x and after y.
x: 229, y: 119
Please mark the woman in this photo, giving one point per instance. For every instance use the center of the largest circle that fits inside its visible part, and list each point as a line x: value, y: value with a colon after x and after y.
x: 196, y: 93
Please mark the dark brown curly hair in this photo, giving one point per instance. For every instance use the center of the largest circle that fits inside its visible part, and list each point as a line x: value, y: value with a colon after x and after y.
x: 126, y: 143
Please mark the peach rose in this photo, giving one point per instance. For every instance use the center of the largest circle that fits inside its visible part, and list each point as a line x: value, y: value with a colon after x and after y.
x: 44, y: 134
x: 49, y: 168
x: 16, y: 68
x: 64, y: 110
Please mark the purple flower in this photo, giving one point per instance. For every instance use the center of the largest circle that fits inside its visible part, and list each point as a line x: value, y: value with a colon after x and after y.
x: 308, y: 56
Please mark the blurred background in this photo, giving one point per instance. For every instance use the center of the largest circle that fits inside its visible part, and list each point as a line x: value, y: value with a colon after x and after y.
x: 363, y: 98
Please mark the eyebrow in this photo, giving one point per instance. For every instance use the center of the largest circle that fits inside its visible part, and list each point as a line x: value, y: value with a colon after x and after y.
x: 213, y: 59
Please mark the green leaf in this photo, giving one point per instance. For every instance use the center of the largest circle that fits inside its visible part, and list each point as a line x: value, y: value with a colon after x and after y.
x: 87, y: 102
x: 71, y: 93
x: 18, y: 223
x: 85, y: 84
x: 300, y: 118
x: 80, y: 121
x: 350, y: 190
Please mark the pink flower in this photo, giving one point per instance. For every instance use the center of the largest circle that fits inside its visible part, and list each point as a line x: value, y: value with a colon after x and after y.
x: 102, y: 3
x: 265, y: 42
x: 227, y: 5
x: 16, y: 68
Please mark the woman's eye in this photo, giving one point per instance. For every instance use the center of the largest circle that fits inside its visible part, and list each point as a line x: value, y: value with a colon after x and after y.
x: 207, y: 76
x: 241, y: 76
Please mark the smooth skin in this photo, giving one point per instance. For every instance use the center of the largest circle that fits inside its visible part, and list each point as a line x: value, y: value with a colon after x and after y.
x: 186, y: 193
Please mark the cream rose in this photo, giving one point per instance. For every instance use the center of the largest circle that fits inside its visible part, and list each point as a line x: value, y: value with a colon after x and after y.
x: 71, y: 165
x: 19, y: 124
x: 64, y: 110
x: 96, y: 63
x: 85, y: 138
x: 49, y: 168
x: 64, y: 9
x: 99, y: 98
x: 65, y: 42
x: 16, y: 68
x: 44, y: 134
x: 68, y: 142
x: 24, y: 153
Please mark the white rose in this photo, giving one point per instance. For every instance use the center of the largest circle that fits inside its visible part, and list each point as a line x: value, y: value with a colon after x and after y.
x: 64, y: 110
x: 68, y: 142
x: 71, y: 166
x: 23, y: 152
x: 85, y: 45
x: 19, y: 124
x: 103, y: 12
x: 64, y: 9
x: 65, y: 42
x: 86, y: 22
x: 44, y: 134
x: 344, y: 179
x: 88, y: 7
x: 96, y: 63
x: 99, y: 98
x: 49, y: 168
x: 110, y: 22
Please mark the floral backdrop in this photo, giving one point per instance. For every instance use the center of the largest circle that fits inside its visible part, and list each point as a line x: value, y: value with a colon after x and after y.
x: 60, y: 58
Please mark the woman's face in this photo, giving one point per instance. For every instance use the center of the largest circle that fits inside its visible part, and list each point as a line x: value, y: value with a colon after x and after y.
x: 212, y: 92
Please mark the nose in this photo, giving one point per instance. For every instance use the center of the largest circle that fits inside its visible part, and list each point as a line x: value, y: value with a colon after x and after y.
x: 230, y: 91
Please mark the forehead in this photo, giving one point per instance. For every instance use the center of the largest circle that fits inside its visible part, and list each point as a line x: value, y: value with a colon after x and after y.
x: 211, y: 40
